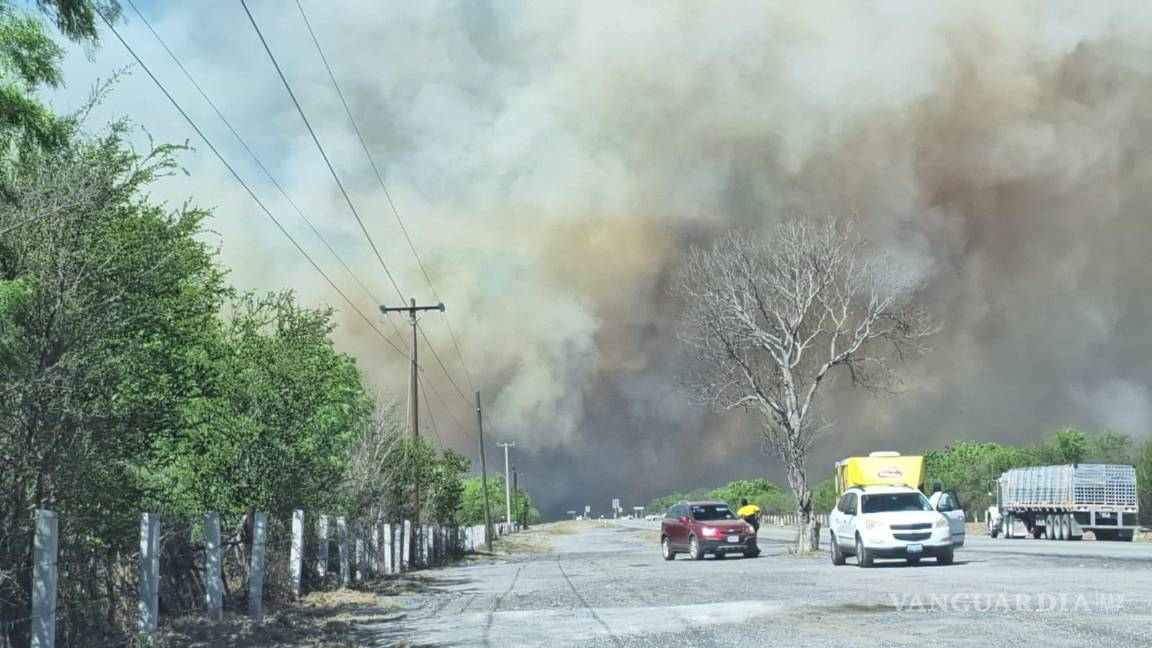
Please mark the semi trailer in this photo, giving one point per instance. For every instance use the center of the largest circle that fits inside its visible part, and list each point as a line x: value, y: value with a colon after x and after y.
x: 1063, y: 502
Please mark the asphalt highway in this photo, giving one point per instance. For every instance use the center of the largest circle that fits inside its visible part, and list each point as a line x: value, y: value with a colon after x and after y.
x: 608, y: 586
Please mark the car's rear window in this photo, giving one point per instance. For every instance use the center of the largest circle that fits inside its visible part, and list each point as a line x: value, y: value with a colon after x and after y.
x: 888, y: 502
x: 712, y: 512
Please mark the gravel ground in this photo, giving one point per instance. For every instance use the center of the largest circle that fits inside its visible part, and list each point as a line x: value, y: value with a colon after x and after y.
x: 609, y: 587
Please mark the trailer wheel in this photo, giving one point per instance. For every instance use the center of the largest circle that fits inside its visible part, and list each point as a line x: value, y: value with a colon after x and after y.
x: 1066, y: 526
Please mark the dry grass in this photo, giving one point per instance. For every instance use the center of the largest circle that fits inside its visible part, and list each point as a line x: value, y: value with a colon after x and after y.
x: 318, y: 620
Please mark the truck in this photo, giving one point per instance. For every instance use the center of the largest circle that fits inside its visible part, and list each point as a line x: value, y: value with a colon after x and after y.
x: 880, y: 469
x: 1063, y: 502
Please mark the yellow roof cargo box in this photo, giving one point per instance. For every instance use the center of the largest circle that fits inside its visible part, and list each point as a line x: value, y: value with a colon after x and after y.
x: 880, y: 469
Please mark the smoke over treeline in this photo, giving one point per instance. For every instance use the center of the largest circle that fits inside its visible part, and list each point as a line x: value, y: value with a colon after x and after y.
x: 553, y: 161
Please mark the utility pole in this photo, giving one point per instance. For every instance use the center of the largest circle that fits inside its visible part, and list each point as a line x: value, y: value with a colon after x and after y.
x: 484, y: 475
x: 413, y: 397
x: 507, y: 478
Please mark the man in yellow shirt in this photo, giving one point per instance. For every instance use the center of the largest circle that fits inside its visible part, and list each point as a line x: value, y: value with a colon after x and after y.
x: 750, y: 513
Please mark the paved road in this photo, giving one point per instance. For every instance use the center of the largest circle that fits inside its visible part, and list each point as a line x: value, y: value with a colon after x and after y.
x: 983, y: 545
x: 609, y: 587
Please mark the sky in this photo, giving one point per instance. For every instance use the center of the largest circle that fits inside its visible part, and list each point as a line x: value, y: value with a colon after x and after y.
x: 553, y: 162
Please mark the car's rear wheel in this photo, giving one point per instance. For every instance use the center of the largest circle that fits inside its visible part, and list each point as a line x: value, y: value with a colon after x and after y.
x: 752, y: 552
x: 946, y: 558
x: 694, y: 549
x: 837, y: 554
x: 863, y: 558
x: 666, y: 549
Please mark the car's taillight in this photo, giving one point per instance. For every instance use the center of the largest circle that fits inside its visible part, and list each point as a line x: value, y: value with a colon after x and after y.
x: 709, y: 531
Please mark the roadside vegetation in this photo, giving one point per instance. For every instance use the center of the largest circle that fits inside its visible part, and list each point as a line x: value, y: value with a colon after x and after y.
x: 134, y: 378
x: 966, y: 468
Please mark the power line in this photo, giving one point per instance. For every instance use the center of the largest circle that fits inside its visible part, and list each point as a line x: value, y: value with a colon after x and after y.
x: 320, y: 147
x: 435, y: 428
x: 387, y: 194
x: 441, y: 363
x: 248, y: 189
x: 259, y: 163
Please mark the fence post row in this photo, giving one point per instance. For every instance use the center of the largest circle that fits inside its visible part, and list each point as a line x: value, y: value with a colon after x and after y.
x: 296, y: 556
x: 149, y: 588
x: 45, y: 549
x: 214, y: 576
x: 256, y: 577
x: 392, y: 549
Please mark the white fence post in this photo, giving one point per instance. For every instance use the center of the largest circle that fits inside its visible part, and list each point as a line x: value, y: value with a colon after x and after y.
x: 374, y: 552
x: 214, y: 574
x: 256, y: 577
x: 45, y: 545
x: 406, y: 545
x: 296, y: 555
x: 360, y: 566
x: 149, y: 586
x: 389, y: 556
x: 322, y: 560
x: 345, y: 569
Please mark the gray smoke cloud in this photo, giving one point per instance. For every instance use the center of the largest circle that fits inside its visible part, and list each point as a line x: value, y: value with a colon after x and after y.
x: 554, y: 160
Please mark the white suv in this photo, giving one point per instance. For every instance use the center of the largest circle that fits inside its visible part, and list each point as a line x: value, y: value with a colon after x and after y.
x: 872, y: 522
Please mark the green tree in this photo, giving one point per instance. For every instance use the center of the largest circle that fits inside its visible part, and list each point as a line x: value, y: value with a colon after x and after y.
x: 1144, y: 483
x: 1111, y: 448
x: 448, y: 487
x: 278, y: 414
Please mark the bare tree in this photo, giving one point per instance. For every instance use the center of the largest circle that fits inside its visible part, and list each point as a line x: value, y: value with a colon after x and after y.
x: 766, y: 323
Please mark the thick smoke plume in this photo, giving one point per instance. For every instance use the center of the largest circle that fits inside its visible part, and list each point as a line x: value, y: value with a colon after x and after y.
x: 554, y: 160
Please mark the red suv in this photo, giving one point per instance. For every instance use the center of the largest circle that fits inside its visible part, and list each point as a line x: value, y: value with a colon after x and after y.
x: 700, y: 528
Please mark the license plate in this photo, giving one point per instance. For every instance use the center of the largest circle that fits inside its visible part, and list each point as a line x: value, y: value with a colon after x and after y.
x: 734, y: 538
x: 915, y: 548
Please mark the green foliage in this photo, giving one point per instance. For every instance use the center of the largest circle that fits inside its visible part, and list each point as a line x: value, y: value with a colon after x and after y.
x: 760, y: 492
x: 275, y: 417
x: 1144, y: 483
x: 472, y: 505
x: 824, y: 496
x: 448, y: 486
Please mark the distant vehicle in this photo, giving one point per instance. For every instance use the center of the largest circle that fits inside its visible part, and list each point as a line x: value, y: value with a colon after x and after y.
x: 1062, y: 502
x: 699, y: 528
x: 874, y: 522
x: 651, y: 517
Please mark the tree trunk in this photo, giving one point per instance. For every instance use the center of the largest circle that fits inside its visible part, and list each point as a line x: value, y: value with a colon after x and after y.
x: 808, y: 539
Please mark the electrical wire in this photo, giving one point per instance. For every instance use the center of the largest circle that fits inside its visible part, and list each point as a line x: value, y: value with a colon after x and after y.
x: 320, y: 147
x: 387, y: 194
x: 247, y: 189
x: 259, y: 163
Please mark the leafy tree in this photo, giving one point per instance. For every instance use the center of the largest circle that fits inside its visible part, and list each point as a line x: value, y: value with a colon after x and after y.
x: 824, y: 496
x: 472, y: 502
x: 1111, y: 448
x: 1144, y: 483
x: 274, y: 424
x: 1067, y: 446
x: 448, y: 486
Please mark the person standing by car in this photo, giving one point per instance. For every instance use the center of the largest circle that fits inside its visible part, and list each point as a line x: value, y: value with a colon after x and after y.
x: 750, y: 513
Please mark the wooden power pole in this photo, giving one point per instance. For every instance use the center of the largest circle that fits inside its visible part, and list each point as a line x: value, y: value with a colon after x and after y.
x: 414, y: 390
x: 484, y: 476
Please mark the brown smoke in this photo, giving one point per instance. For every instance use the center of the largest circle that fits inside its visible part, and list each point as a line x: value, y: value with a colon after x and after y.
x: 552, y: 161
